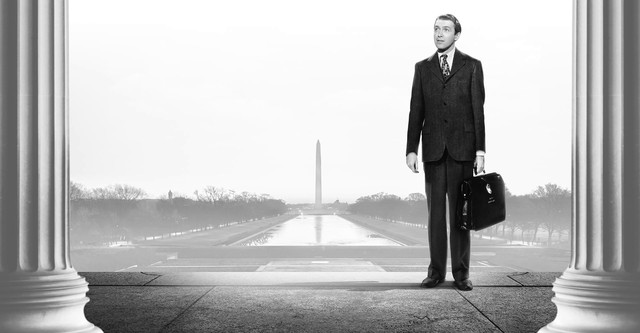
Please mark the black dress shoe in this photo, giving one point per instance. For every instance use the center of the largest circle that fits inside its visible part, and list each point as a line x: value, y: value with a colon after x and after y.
x: 464, y: 285
x: 430, y: 282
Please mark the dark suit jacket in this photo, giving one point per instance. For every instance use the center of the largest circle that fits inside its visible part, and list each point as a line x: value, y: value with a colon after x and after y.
x: 447, y: 114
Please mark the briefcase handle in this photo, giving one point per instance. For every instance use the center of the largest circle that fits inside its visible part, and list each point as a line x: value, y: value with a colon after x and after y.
x: 466, y: 190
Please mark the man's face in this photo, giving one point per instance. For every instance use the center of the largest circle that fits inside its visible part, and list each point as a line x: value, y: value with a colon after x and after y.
x: 444, y: 34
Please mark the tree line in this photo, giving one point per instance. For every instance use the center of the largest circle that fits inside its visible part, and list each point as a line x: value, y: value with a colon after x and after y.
x: 545, y: 210
x: 125, y: 213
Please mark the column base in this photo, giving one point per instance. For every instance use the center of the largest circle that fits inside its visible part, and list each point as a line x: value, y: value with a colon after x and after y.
x: 596, y: 302
x: 44, y: 302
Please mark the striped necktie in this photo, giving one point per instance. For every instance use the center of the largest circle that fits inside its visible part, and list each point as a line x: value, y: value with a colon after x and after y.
x: 445, y: 67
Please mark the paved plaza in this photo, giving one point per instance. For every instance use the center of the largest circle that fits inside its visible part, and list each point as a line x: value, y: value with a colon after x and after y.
x: 316, y: 302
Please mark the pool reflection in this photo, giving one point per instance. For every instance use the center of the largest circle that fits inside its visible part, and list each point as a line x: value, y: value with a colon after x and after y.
x: 316, y: 230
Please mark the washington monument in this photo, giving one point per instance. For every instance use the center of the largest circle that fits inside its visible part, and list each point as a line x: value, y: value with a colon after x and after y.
x: 318, y: 176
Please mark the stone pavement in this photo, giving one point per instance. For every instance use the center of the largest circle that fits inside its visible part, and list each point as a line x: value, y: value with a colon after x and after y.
x: 317, y: 302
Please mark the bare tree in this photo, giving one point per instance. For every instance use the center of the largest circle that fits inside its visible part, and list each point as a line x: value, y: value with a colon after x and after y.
x: 127, y: 192
x: 230, y: 195
x: 264, y: 197
x: 118, y: 192
x: 102, y: 193
x: 213, y: 194
x: 415, y: 197
x: 555, y: 207
x: 77, y: 192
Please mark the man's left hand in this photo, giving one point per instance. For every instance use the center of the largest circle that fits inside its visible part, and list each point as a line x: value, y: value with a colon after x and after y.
x: 478, y: 165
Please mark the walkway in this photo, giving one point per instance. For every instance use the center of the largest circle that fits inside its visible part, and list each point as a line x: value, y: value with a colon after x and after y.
x: 317, y: 302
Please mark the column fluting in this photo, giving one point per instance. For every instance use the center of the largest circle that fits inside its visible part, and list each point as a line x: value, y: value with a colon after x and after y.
x: 600, y: 290
x: 40, y: 291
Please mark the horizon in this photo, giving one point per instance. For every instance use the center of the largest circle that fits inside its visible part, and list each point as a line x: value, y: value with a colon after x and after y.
x: 193, y: 197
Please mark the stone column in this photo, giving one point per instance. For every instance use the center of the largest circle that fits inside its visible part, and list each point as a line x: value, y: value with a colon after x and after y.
x: 600, y: 290
x: 39, y: 289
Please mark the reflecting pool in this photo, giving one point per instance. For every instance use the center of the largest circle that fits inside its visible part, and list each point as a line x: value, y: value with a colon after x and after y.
x: 315, y: 230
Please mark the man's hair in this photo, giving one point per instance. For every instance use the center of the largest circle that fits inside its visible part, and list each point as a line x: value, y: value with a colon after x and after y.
x: 450, y: 17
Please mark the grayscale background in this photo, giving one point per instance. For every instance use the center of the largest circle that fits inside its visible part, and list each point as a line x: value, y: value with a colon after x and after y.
x: 222, y: 103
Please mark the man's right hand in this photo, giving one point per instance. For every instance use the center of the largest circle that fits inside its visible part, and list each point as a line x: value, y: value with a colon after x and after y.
x: 412, y: 162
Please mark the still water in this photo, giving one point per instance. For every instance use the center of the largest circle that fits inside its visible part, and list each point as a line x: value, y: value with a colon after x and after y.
x: 314, y: 230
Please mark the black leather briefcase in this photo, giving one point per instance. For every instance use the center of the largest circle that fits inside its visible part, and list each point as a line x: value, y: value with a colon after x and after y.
x: 481, y: 202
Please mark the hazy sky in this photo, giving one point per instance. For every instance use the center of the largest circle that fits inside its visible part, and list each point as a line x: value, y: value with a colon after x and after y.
x: 178, y: 95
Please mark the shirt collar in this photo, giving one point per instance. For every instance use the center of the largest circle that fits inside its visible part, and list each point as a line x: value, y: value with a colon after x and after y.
x: 450, y: 53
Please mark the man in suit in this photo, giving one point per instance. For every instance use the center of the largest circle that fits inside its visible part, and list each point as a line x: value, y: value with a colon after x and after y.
x: 447, y: 112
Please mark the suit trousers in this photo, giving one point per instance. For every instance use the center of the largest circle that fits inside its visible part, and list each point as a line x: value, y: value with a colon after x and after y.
x: 442, y: 181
